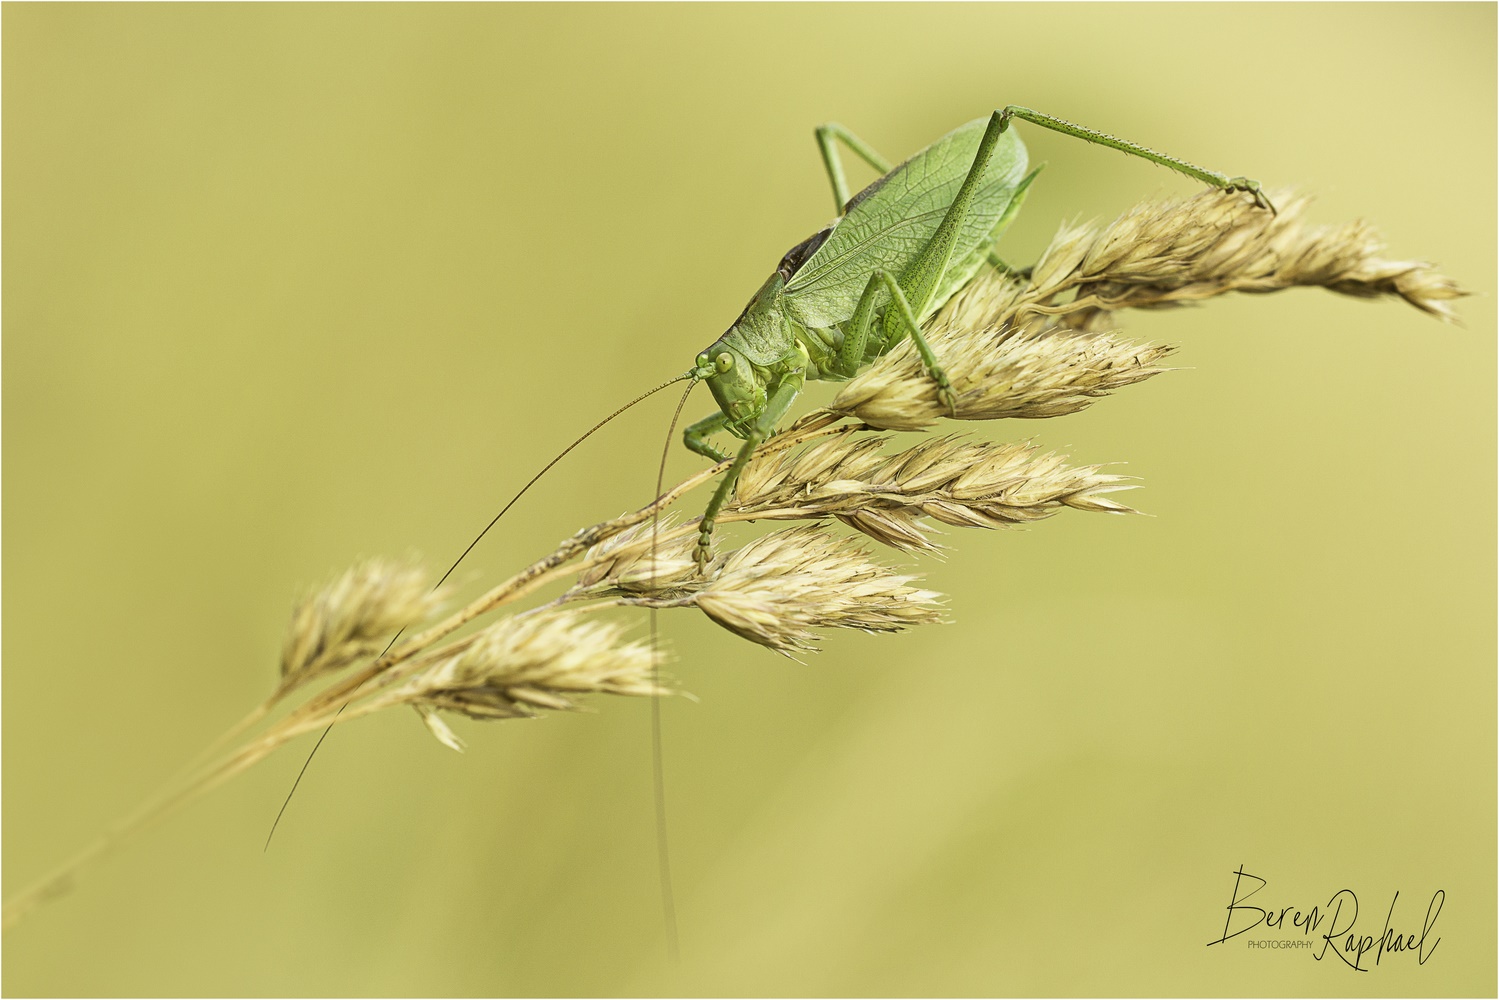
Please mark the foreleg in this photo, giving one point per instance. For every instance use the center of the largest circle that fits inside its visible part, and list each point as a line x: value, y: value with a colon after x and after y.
x: 776, y: 406
x: 696, y: 436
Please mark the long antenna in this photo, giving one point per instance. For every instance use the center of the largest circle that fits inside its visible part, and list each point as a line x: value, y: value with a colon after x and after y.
x: 658, y: 768
x: 690, y: 374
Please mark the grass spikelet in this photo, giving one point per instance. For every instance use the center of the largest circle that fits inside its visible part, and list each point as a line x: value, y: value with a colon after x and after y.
x: 353, y: 616
x: 957, y: 481
x: 623, y: 565
x: 527, y: 662
x: 1039, y: 370
x: 778, y: 590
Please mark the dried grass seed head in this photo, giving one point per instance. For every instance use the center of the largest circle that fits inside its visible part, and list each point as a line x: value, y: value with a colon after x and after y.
x: 530, y: 661
x: 955, y: 480
x: 623, y: 564
x: 779, y: 589
x: 353, y: 616
x: 1043, y: 369
x: 1160, y: 254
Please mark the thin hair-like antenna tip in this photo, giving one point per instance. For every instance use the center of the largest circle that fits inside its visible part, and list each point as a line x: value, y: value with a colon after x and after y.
x: 658, y: 767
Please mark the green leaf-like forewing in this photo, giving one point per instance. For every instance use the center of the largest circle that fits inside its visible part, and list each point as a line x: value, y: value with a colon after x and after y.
x: 887, y: 224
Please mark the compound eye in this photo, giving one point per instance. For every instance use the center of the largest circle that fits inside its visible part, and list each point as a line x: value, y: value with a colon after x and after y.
x: 724, y: 362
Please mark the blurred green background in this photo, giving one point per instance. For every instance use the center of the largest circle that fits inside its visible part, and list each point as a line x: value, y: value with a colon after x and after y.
x: 289, y: 285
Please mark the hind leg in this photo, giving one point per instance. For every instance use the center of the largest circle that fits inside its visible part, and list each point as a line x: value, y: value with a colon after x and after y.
x: 826, y: 134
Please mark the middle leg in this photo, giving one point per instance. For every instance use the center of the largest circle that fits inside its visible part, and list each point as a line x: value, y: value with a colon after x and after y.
x: 780, y: 401
x: 856, y: 336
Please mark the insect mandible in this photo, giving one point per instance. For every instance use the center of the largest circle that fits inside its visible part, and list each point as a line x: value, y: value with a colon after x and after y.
x: 897, y: 251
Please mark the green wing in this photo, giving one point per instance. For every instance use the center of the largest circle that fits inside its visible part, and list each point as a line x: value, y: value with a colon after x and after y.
x: 887, y: 224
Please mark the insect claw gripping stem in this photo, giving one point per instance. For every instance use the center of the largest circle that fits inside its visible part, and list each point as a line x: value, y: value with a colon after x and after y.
x: 945, y: 394
x: 704, y: 550
x: 1253, y: 188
